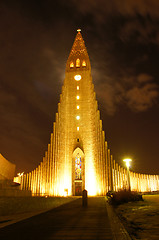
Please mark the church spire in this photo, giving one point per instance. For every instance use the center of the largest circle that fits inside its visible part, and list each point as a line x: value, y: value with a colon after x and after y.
x: 78, y: 57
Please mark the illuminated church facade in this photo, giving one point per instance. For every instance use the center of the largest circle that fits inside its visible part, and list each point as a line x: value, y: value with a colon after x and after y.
x: 77, y: 157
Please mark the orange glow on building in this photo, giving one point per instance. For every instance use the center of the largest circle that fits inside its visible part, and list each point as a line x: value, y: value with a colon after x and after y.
x: 78, y: 156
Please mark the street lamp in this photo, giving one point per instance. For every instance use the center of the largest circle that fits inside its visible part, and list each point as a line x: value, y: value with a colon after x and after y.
x: 127, y: 161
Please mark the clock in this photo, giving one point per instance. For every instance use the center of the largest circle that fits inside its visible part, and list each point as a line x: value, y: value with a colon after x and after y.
x: 77, y: 77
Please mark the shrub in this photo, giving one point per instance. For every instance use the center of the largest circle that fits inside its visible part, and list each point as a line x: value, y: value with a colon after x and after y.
x: 123, y: 196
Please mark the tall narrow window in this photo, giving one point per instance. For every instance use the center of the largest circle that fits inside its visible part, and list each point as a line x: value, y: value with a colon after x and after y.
x: 71, y: 64
x: 78, y: 174
x: 77, y: 62
x: 84, y: 63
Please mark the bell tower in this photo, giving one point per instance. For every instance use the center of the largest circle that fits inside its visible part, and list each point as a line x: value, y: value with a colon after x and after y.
x: 78, y: 83
x: 75, y: 158
x: 80, y: 120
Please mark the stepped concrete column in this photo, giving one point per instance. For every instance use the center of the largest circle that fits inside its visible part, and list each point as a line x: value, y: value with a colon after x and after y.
x: 106, y: 165
x: 117, y: 177
x: 114, y: 176
x: 125, y: 178
x: 122, y: 179
x: 29, y: 183
x: 112, y: 172
x: 109, y: 172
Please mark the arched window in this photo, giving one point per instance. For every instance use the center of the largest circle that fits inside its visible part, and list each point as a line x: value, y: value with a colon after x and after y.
x: 77, y: 62
x: 71, y: 64
x: 78, y: 174
x: 84, y: 63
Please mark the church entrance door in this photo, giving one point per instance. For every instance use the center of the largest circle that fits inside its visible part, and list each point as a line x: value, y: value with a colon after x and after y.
x: 78, y: 188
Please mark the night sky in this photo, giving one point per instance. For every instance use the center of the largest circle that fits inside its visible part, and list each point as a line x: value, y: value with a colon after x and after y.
x: 122, y: 40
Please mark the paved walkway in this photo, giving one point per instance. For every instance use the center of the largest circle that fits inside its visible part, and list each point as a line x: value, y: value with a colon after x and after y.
x: 69, y: 221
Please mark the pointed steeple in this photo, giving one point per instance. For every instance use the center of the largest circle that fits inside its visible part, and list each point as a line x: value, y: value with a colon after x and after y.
x: 78, y: 47
x: 78, y: 57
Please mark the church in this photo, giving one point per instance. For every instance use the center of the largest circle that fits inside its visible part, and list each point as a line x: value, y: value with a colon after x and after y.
x: 78, y: 157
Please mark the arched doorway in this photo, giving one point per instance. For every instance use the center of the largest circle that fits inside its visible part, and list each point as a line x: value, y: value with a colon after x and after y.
x: 78, y: 172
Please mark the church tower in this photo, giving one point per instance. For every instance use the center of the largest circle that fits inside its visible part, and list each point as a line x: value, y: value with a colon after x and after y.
x: 76, y: 157
x: 79, y: 127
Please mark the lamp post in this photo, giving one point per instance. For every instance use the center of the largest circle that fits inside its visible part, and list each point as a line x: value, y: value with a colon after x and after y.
x: 127, y: 161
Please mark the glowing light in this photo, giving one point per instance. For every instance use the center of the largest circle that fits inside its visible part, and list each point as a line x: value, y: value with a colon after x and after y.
x: 77, y: 97
x: 78, y: 62
x: 20, y: 174
x: 78, y: 107
x: 127, y: 161
x: 77, y: 77
x: 79, y: 30
x: 77, y: 128
x: 99, y: 191
x: 78, y: 117
x: 77, y: 87
x: 91, y: 183
x: 65, y: 192
x: 71, y: 65
x: 84, y: 63
x: 91, y: 177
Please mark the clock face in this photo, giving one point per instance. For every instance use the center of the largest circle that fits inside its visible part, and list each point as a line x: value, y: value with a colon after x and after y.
x: 77, y: 77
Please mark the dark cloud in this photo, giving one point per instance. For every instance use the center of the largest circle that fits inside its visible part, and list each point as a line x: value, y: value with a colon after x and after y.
x: 102, y: 8
x: 142, y: 30
x: 142, y: 97
x: 144, y: 78
x: 111, y: 95
x: 140, y: 19
x: 138, y: 93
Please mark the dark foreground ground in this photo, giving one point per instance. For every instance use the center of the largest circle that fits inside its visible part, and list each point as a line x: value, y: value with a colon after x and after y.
x: 69, y: 221
x: 72, y: 221
x: 141, y: 219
